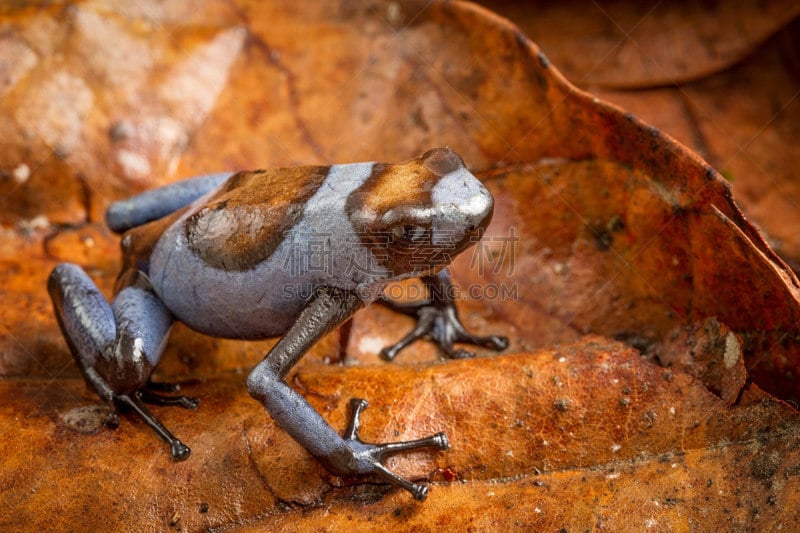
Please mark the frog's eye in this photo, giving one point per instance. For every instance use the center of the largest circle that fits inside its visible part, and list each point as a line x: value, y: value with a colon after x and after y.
x: 409, y: 233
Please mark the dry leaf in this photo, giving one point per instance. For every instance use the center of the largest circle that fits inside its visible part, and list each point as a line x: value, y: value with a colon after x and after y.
x: 622, y: 246
x: 633, y: 45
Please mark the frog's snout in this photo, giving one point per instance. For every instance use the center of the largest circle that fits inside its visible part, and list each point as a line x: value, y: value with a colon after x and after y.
x: 463, y: 223
x: 462, y: 209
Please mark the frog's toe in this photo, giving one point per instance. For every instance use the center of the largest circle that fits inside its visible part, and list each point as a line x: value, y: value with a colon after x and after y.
x: 495, y: 342
x: 443, y: 326
x: 112, y: 420
x: 154, y: 398
x: 179, y: 451
x: 369, y: 457
x: 161, y: 386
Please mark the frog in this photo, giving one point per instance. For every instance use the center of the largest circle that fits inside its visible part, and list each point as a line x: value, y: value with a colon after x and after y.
x: 219, y: 251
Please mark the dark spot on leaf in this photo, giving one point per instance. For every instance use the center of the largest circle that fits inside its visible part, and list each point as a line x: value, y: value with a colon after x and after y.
x: 635, y: 340
x: 120, y: 131
x: 543, y: 61
x: 603, y: 232
x: 765, y: 465
x: 615, y: 224
x: 521, y: 38
x: 603, y: 239
x: 562, y: 404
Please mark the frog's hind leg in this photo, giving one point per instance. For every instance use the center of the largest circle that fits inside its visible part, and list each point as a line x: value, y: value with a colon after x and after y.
x: 116, y: 346
x: 157, y: 203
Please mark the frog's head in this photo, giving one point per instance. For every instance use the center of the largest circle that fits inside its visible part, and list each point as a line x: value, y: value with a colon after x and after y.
x: 416, y: 216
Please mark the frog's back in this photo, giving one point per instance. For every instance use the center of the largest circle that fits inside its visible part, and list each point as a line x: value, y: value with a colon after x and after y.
x: 242, y: 261
x: 239, y: 265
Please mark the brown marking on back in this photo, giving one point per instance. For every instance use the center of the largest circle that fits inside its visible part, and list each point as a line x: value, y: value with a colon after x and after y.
x: 247, y: 219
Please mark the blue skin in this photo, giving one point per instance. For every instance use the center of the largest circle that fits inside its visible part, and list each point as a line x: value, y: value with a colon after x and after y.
x: 117, y: 346
x: 157, y: 203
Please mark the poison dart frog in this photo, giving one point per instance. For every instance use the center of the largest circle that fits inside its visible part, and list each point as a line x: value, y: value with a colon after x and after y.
x: 217, y: 252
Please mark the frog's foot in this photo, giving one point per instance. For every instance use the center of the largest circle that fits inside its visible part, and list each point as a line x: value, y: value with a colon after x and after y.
x: 162, y: 386
x: 134, y: 402
x: 150, y: 394
x: 440, y: 322
x: 369, y: 457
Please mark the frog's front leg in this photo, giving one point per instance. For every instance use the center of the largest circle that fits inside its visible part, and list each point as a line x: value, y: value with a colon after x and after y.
x: 117, y: 346
x: 346, y: 455
x: 438, y: 319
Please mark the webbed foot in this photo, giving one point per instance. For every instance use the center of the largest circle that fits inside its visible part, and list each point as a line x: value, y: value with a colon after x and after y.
x: 369, y: 457
x: 440, y: 322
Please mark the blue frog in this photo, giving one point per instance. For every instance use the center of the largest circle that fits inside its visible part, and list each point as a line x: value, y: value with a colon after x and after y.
x: 213, y: 252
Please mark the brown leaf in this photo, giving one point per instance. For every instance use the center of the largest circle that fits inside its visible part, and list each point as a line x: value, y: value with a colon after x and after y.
x: 587, y: 420
x: 724, y: 85
x: 604, y: 229
x: 710, y: 352
x: 634, y: 45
